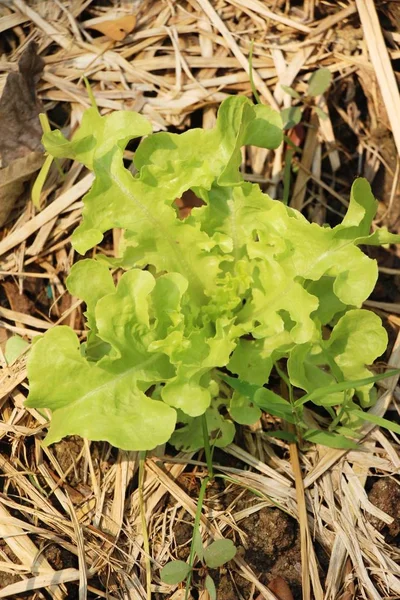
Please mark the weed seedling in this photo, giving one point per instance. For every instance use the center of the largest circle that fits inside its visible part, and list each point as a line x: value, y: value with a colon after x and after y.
x: 213, y: 556
x: 319, y: 82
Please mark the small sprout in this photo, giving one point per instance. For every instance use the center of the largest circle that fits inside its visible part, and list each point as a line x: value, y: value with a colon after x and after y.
x: 219, y: 552
x: 198, y: 545
x: 292, y: 93
x: 210, y: 587
x: 40, y: 181
x: 15, y: 346
x: 291, y: 116
x: 174, y: 572
x: 319, y: 82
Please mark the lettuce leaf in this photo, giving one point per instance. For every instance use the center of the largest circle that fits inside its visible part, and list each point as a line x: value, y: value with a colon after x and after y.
x: 239, y: 284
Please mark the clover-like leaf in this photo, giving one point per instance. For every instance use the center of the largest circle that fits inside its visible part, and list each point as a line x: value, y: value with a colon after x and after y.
x: 292, y: 93
x: 15, y: 346
x: 210, y: 587
x: 219, y: 552
x: 174, y: 572
x: 198, y: 544
x: 319, y: 82
x: 291, y: 116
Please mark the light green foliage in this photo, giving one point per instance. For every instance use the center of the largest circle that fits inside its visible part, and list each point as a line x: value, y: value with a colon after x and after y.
x: 291, y: 92
x: 243, y: 410
x: 318, y: 84
x: 219, y: 552
x: 215, y: 555
x: 209, y: 585
x: 291, y: 116
x: 357, y: 339
x: 189, y: 435
x: 174, y: 572
x: 239, y: 284
x: 15, y: 346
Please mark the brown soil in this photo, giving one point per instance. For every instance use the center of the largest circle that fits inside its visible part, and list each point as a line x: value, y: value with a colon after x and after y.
x: 385, y: 494
x: 7, y: 578
x: 271, y: 546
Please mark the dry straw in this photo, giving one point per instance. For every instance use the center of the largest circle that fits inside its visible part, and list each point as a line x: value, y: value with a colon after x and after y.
x: 175, y: 62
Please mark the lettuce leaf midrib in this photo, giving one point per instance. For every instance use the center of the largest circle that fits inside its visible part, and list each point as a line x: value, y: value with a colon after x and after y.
x: 112, y: 381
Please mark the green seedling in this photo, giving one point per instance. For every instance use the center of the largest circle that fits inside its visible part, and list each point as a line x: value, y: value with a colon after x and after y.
x: 216, y: 555
x: 15, y: 347
x: 292, y: 116
x: 319, y: 82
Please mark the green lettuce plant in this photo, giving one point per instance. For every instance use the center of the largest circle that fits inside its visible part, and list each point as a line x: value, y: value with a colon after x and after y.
x: 206, y: 306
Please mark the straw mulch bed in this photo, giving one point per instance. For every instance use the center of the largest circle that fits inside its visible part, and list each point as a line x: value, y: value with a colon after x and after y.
x: 69, y: 514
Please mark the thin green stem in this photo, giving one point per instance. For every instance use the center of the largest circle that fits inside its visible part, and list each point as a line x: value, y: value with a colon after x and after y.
x: 295, y: 411
x: 207, y: 447
x: 292, y: 145
x: 253, y: 87
x: 45, y: 125
x: 196, y: 531
x: 282, y: 374
x: 44, y: 122
x: 145, y: 533
x: 342, y: 410
x: 203, y: 487
x: 90, y: 93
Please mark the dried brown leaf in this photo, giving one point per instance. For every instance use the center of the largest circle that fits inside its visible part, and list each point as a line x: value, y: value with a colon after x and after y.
x: 18, y: 302
x: 12, y: 180
x: 116, y: 29
x: 280, y: 588
x: 20, y: 130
